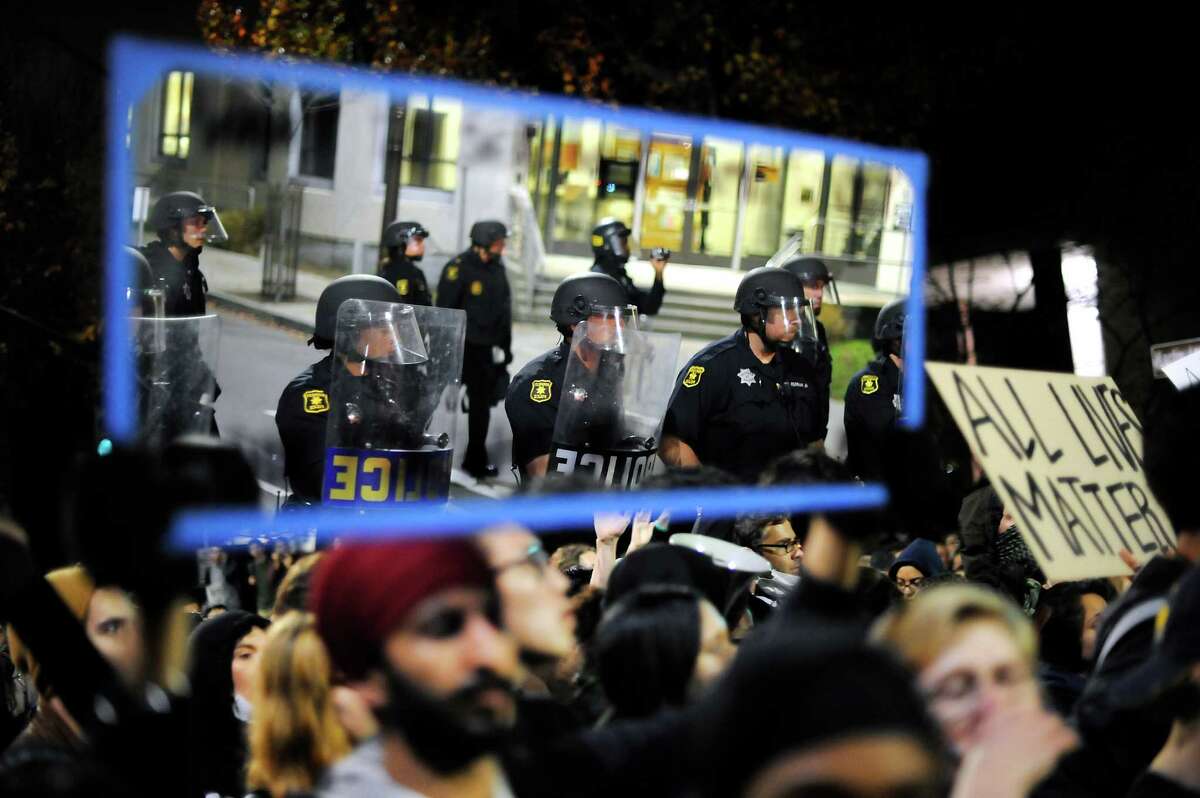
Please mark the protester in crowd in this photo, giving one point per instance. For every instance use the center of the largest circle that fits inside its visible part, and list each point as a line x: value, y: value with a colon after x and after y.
x: 851, y: 724
x: 659, y: 646
x: 224, y: 654
x: 1068, y: 616
x: 975, y: 654
x: 918, y: 562
x: 113, y: 625
x: 293, y: 588
x: 1120, y: 741
x: 533, y: 595
x: 1168, y: 682
x: 774, y: 538
x: 294, y: 733
x: 415, y: 629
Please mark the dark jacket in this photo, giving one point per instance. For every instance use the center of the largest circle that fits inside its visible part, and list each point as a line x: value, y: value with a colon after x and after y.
x: 216, y: 738
x: 870, y: 413
x: 648, y: 302
x: 302, y: 418
x: 409, y: 280
x: 481, y: 289
x: 185, y: 284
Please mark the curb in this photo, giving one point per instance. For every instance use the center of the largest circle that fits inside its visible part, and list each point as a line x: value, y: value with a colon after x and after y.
x: 256, y: 309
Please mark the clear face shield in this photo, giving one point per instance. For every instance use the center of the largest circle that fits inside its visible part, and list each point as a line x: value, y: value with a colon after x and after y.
x: 606, y: 326
x: 790, y: 320
x: 206, y: 225
x: 619, y: 242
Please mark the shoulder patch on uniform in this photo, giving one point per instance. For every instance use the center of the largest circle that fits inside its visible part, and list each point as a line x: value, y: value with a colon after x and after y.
x: 597, y: 241
x: 402, y: 286
x: 476, y: 288
x: 539, y: 390
x: 869, y: 384
x: 692, y: 378
x: 316, y: 401
x: 451, y: 272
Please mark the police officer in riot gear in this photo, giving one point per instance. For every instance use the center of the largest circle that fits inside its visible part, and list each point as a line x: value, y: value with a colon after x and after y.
x: 303, y: 412
x: 404, y: 245
x: 533, y: 396
x: 873, y: 395
x: 748, y: 398
x: 610, y: 247
x: 184, y: 223
x: 815, y: 276
x: 475, y: 281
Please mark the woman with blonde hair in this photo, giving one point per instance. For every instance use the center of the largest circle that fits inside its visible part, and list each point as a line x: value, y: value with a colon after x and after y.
x: 974, y: 653
x: 295, y: 732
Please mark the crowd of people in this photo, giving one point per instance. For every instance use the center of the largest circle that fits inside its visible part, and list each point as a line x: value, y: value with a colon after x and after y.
x: 761, y: 655
x: 911, y: 650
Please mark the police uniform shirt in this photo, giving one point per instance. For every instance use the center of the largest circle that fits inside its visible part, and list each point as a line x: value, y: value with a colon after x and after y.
x: 738, y: 413
x: 185, y: 283
x: 302, y: 418
x: 824, y: 379
x: 648, y: 302
x: 481, y: 289
x: 532, y: 404
x: 870, y: 413
x: 409, y: 280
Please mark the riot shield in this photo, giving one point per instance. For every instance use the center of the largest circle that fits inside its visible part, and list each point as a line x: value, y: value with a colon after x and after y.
x: 615, y: 393
x: 176, y: 362
x: 392, y: 414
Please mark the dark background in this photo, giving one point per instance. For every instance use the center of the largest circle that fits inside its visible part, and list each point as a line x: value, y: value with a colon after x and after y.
x: 1039, y: 130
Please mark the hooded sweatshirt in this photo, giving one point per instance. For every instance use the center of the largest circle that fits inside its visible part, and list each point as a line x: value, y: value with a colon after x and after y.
x: 216, y: 738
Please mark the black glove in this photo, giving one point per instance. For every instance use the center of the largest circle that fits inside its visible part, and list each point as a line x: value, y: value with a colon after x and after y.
x: 507, y: 356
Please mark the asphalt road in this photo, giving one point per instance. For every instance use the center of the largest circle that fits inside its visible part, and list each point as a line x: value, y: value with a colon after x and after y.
x: 258, y: 359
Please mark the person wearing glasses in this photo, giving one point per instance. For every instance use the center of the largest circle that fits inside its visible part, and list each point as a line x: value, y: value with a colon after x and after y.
x: 918, y: 563
x: 974, y: 653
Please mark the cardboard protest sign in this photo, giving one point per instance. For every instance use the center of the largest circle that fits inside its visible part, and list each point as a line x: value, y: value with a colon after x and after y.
x: 1065, y: 455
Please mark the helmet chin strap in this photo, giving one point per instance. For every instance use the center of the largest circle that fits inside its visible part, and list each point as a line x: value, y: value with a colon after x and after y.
x: 761, y: 331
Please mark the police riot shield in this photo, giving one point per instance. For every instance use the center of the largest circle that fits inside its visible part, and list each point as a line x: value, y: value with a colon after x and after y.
x: 393, y: 403
x: 615, y: 392
x: 176, y: 363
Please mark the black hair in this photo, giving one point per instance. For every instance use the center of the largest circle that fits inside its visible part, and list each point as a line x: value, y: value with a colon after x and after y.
x: 848, y: 688
x: 645, y: 649
x: 683, y: 478
x: 1060, y: 643
x: 814, y: 467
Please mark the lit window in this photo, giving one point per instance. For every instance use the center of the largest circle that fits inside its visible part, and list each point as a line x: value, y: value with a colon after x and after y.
x: 431, y: 143
x: 177, y: 115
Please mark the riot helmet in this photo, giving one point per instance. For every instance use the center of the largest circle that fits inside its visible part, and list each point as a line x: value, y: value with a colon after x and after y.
x: 765, y: 291
x: 582, y: 295
x: 610, y: 241
x: 398, y: 234
x: 817, y: 280
x: 352, y: 286
x: 486, y: 233
x: 889, y: 324
x: 171, y: 212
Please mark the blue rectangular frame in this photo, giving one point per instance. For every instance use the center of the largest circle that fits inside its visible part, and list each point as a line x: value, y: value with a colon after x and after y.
x: 136, y: 64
